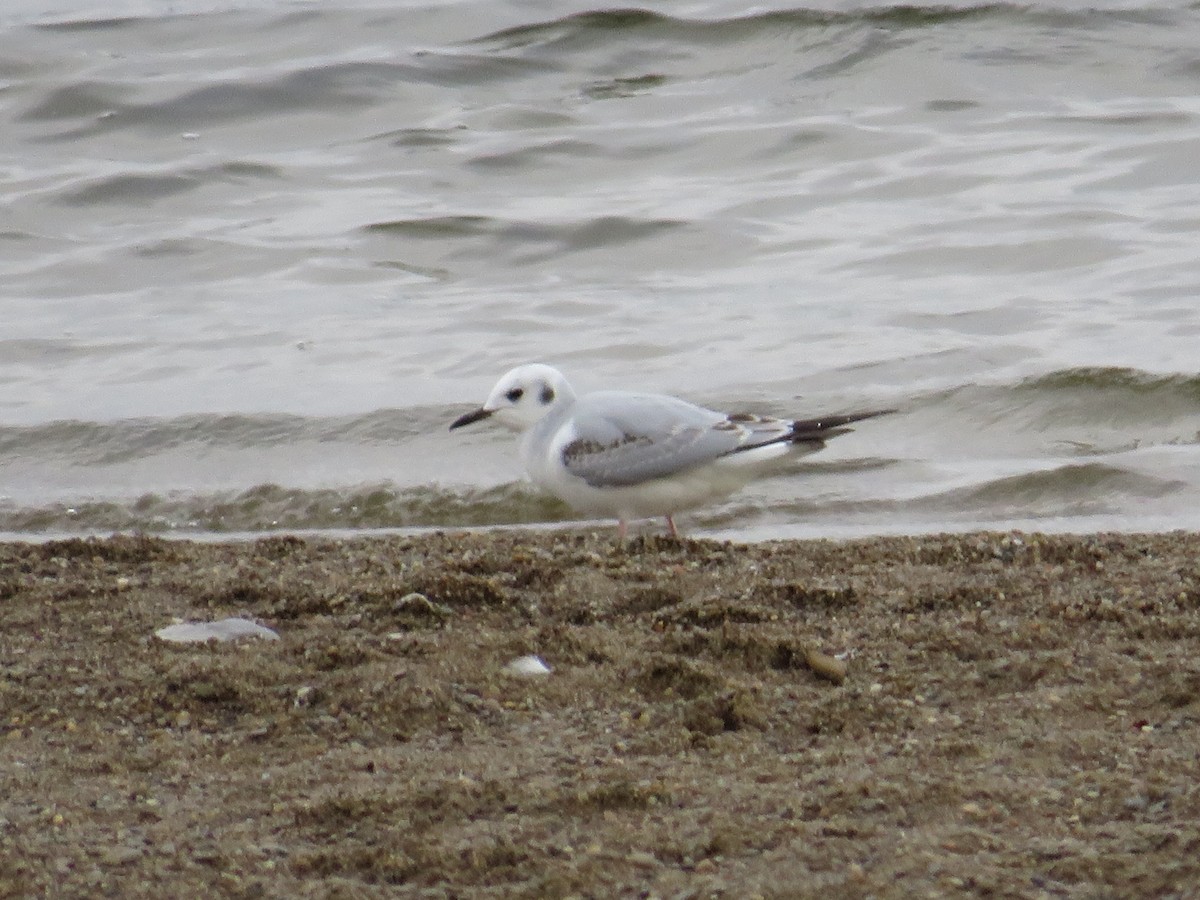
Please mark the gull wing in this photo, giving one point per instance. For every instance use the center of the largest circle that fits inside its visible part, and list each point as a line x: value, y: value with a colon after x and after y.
x: 623, y: 439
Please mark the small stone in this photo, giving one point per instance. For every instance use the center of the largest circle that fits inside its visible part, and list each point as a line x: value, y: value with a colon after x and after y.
x: 642, y: 858
x: 529, y: 666
x: 207, y: 855
x: 120, y: 856
x: 420, y: 605
x: 222, y: 630
x: 304, y: 696
x: 207, y: 691
x: 828, y: 667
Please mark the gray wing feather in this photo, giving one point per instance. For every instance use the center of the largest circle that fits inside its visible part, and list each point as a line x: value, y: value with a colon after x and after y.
x: 625, y: 439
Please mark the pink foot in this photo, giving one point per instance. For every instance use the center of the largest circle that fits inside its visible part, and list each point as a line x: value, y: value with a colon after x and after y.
x: 671, y: 529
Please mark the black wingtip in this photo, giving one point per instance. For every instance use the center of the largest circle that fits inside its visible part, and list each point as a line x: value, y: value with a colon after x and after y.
x: 825, y: 427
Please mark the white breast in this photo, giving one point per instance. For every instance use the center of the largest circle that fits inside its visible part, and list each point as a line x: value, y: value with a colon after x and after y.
x: 684, y: 490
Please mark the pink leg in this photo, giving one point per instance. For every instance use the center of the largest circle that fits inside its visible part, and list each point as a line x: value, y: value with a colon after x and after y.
x: 622, y: 529
x: 671, y: 529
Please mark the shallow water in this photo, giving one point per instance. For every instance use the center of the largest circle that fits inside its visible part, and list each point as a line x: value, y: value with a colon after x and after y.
x: 255, y: 256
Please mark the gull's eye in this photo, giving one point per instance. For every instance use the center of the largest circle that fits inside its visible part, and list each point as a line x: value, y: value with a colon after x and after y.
x: 515, y: 394
x: 547, y: 394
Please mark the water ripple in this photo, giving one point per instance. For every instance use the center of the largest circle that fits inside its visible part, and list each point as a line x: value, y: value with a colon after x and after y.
x: 236, y: 236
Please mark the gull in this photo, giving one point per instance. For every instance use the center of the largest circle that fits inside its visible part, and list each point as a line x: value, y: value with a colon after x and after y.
x: 636, y: 456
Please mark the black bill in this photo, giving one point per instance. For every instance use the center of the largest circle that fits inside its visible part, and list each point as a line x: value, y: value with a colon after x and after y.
x: 470, y: 417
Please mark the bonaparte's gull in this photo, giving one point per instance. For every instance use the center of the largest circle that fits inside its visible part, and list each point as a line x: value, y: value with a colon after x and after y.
x: 634, y: 456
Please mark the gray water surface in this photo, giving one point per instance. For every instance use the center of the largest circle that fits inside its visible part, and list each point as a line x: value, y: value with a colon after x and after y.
x: 255, y: 256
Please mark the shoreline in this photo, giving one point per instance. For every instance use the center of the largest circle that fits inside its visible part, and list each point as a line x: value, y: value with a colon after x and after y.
x: 1018, y: 714
x: 646, y: 529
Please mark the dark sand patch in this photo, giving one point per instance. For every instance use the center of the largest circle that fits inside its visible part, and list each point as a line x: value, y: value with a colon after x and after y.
x: 1019, y: 717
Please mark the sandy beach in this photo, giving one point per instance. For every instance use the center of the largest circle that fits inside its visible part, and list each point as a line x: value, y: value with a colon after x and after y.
x: 1010, y: 715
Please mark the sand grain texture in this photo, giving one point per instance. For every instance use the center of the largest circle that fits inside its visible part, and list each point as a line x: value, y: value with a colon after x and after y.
x: 1017, y: 717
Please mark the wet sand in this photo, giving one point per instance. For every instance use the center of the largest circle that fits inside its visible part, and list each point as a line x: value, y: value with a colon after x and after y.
x: 1000, y: 715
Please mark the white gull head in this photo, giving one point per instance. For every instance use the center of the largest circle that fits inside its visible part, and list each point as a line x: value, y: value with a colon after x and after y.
x: 522, y: 398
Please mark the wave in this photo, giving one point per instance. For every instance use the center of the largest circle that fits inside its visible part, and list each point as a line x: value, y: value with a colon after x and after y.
x: 624, y: 21
x: 105, y: 443
x: 1084, y: 407
x: 103, y: 107
x: 1080, y: 441
x: 1132, y: 383
x: 97, y: 106
x: 1072, y: 489
x: 1081, y: 490
x: 272, y: 507
x: 598, y: 25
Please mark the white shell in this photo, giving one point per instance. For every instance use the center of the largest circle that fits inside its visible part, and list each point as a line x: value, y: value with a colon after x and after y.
x: 528, y: 665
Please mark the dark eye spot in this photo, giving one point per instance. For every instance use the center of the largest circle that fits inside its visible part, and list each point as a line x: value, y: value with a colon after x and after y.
x: 515, y: 394
x: 547, y: 394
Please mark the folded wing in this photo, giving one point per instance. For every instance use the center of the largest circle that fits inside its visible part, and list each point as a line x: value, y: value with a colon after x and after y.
x: 625, y: 439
